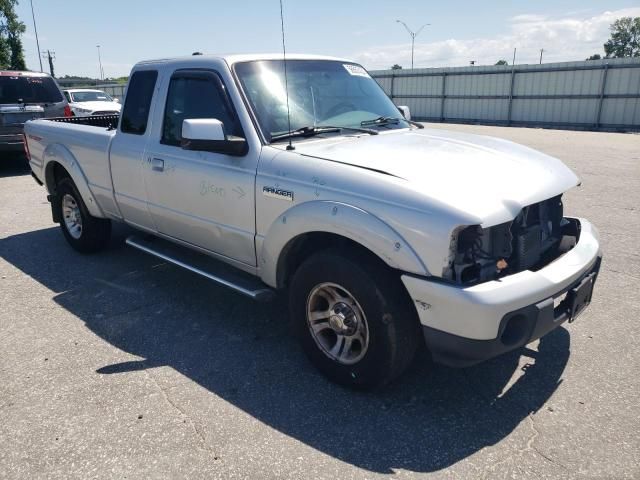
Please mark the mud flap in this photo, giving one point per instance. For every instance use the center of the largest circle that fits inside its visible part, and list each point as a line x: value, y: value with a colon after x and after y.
x: 56, y: 214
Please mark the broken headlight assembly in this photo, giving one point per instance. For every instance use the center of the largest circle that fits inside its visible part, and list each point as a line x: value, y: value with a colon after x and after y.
x: 538, y: 235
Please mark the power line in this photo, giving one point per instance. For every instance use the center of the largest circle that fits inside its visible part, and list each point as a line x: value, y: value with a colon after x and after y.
x: 35, y: 29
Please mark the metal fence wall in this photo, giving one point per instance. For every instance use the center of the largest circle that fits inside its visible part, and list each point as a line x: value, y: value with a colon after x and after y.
x: 598, y: 94
x: 116, y: 90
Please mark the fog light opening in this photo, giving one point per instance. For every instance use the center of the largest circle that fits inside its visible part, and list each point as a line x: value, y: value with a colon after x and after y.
x: 515, y: 330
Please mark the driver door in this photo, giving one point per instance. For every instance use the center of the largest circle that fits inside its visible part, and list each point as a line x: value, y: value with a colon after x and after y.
x: 202, y: 198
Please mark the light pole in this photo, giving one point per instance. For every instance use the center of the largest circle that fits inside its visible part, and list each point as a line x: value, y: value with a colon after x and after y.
x: 413, y: 36
x: 541, y: 50
x: 100, y: 63
x: 35, y: 29
x: 50, y: 56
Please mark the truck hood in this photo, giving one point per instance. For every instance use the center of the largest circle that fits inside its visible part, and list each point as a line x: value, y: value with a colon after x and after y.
x: 488, y: 178
x: 97, y: 106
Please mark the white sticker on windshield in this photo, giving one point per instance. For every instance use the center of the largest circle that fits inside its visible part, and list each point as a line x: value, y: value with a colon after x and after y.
x: 355, y: 70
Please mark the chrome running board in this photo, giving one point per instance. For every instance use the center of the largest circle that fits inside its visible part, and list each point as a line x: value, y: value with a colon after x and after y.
x: 216, y: 271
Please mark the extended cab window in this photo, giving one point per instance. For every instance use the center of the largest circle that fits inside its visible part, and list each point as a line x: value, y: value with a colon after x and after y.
x: 135, y: 113
x: 196, y: 95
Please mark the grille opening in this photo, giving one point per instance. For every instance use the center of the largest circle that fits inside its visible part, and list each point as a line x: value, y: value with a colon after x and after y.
x: 538, y: 235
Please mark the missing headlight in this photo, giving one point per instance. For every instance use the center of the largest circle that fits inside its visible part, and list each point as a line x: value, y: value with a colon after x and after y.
x: 538, y: 235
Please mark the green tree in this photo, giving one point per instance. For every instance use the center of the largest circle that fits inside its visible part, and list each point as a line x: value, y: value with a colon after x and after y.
x: 5, y: 53
x: 595, y: 56
x: 625, y: 38
x: 396, y: 67
x: 502, y: 62
x: 11, y: 28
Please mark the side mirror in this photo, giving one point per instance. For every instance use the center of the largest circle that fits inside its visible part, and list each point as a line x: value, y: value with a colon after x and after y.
x: 404, y: 110
x: 208, y: 135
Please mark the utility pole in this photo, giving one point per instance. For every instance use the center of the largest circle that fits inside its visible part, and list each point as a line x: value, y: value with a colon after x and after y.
x: 50, y: 56
x: 413, y: 36
x: 35, y: 29
x: 541, y: 50
x: 513, y: 62
x: 100, y: 64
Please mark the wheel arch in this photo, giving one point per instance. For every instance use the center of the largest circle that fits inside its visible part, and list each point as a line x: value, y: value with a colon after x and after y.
x: 313, y: 226
x: 59, y: 163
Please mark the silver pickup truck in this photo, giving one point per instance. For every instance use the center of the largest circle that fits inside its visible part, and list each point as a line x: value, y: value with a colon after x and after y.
x: 387, y: 236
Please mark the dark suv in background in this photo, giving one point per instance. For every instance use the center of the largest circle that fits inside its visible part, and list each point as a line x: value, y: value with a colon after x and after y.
x: 25, y: 96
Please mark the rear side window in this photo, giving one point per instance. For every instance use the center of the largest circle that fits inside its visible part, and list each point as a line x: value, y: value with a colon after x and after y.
x: 135, y: 113
x: 197, y: 95
x: 21, y: 89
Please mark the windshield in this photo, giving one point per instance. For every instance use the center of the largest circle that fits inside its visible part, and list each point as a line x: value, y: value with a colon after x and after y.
x: 321, y: 93
x: 21, y: 89
x: 90, y: 97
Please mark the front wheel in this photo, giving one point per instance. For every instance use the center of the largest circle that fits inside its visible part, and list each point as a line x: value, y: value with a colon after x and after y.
x: 353, y: 319
x: 85, y: 233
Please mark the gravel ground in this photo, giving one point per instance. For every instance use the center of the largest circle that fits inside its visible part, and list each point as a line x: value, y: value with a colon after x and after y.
x: 119, y: 366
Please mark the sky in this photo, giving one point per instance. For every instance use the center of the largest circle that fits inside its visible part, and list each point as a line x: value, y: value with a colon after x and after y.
x: 365, y: 31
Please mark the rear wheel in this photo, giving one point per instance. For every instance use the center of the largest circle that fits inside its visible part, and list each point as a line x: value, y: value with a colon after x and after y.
x: 85, y: 233
x: 354, y: 320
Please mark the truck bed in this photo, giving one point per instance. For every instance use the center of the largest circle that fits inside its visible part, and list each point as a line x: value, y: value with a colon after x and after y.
x: 109, y: 122
x: 85, y: 140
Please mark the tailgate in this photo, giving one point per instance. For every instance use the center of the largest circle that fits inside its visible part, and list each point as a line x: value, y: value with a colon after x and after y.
x: 12, y: 117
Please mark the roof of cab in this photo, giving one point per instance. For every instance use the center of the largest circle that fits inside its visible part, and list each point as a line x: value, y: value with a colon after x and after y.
x: 231, y: 59
x: 16, y: 73
x: 75, y: 90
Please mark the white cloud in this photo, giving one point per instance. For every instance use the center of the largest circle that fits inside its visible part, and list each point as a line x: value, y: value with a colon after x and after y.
x: 563, y: 39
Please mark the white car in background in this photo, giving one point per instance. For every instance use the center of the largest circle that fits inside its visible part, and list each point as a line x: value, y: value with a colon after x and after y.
x: 85, y: 102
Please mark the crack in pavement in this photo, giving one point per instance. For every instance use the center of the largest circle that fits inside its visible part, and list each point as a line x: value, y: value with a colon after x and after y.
x: 205, y: 445
x: 635, y: 277
x: 529, y: 447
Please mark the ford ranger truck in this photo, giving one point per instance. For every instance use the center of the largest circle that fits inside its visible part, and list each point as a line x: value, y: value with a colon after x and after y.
x: 386, y: 236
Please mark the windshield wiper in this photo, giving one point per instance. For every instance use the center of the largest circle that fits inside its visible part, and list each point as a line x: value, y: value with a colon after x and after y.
x: 382, y: 121
x: 310, y: 131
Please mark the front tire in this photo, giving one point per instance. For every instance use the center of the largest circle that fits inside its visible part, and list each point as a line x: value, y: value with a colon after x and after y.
x: 85, y: 233
x: 354, y: 319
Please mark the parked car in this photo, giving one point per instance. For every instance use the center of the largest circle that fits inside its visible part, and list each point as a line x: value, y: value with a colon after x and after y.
x: 85, y: 102
x: 385, y: 234
x: 25, y: 96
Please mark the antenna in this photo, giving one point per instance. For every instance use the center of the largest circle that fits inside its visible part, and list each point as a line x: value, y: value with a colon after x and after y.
x: 286, y: 82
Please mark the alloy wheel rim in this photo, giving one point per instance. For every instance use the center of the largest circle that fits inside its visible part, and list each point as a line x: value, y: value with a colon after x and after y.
x: 72, y: 216
x: 337, y: 323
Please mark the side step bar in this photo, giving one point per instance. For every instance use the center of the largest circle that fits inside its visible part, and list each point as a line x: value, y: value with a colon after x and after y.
x: 219, y: 272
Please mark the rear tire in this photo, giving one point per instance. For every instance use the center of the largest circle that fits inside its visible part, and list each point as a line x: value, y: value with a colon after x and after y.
x: 85, y: 233
x: 354, y: 319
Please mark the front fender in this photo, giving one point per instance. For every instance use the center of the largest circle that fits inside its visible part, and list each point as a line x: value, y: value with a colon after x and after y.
x: 342, y: 219
x: 58, y: 153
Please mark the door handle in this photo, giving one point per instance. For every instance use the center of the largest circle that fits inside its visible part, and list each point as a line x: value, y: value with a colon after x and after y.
x: 157, y: 164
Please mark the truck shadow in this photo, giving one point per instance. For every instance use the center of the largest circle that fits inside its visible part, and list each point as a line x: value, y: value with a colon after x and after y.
x: 13, y: 164
x: 242, y: 352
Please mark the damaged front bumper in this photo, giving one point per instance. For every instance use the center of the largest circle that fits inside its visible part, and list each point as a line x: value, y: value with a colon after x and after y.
x: 466, y: 325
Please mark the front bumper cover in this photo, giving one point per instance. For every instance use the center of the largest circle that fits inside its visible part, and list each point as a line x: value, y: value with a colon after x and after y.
x: 463, y: 326
x: 517, y: 328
